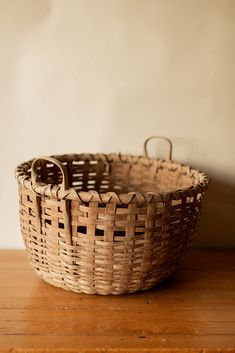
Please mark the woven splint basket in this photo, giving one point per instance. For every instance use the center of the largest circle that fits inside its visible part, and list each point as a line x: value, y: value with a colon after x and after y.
x: 108, y: 223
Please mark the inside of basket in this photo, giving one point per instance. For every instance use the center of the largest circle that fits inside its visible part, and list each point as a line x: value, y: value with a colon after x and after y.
x: 120, y: 177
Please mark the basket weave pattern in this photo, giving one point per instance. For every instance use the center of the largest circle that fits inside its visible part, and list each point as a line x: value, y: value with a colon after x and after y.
x: 87, y: 231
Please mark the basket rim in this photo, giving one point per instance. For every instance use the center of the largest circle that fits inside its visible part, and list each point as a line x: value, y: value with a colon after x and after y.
x: 56, y: 192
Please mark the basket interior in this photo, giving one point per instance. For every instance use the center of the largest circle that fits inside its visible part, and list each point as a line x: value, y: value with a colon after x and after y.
x: 119, y: 176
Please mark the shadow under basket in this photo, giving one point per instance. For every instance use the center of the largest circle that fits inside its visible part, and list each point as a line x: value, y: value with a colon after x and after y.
x: 108, y: 223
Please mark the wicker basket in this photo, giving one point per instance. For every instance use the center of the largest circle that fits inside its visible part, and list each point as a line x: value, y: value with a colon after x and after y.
x: 108, y: 223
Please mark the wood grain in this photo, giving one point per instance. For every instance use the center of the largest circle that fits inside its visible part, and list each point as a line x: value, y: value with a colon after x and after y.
x: 193, y: 311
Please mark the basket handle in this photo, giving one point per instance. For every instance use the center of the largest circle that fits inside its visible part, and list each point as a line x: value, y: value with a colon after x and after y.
x: 145, y: 152
x: 64, y: 184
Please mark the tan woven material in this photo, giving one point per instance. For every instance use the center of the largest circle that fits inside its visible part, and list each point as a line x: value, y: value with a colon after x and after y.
x: 108, y: 223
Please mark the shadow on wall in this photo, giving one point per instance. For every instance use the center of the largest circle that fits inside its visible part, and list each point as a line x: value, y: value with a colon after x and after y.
x: 217, y: 228
x: 217, y: 224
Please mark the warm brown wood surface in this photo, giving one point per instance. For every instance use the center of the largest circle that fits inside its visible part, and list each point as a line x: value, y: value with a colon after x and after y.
x: 193, y: 311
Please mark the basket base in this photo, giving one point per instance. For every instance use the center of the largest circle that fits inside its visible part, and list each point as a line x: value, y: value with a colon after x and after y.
x: 95, y: 290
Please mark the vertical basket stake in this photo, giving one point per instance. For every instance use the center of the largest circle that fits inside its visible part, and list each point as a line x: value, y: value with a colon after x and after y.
x: 65, y: 203
x: 38, y: 213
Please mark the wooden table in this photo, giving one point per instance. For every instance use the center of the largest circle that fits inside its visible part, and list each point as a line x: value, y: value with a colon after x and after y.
x: 193, y: 311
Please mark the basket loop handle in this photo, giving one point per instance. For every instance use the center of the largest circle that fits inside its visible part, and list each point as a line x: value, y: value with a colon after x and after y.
x: 65, y: 203
x: 34, y: 176
x: 169, y: 155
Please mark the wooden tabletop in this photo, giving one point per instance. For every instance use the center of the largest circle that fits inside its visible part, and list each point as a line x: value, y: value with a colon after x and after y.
x: 193, y: 311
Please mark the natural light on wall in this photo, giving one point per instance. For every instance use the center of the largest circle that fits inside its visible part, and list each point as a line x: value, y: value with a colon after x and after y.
x: 101, y: 76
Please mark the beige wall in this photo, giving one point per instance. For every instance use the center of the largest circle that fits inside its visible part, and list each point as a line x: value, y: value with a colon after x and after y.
x: 103, y: 75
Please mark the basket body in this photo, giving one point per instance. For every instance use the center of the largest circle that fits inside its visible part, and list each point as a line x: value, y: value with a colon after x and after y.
x: 98, y: 236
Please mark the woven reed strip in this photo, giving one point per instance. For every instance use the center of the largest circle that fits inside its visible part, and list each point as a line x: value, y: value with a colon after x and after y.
x: 108, y: 242
x: 55, y: 191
